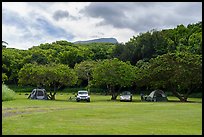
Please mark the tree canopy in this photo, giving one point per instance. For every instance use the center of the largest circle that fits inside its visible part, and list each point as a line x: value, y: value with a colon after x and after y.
x: 52, y: 76
x: 170, y: 56
x: 180, y: 72
x: 113, y: 73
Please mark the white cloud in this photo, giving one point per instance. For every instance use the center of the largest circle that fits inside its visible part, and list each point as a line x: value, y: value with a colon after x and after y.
x: 25, y: 24
x: 13, y: 36
x: 17, y: 38
x: 18, y: 7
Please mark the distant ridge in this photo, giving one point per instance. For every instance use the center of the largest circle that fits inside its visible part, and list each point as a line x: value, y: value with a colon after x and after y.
x: 103, y: 40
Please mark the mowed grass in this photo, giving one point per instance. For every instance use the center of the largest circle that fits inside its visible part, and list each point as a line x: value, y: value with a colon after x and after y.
x: 101, y: 117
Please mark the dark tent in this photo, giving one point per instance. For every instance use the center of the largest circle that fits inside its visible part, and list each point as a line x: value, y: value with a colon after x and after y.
x: 156, y: 96
x: 38, y: 94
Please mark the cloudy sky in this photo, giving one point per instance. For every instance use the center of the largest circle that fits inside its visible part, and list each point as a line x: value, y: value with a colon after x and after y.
x: 27, y: 24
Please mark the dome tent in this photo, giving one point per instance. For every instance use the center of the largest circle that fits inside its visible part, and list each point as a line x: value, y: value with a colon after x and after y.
x: 156, y: 96
x: 38, y: 94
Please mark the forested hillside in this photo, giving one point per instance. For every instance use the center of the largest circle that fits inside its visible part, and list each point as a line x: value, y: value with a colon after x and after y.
x: 168, y: 59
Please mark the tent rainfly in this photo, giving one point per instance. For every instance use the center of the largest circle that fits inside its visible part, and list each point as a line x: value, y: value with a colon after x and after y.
x: 156, y: 96
x: 38, y: 94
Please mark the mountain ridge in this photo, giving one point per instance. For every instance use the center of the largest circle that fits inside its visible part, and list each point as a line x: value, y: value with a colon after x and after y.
x: 99, y: 40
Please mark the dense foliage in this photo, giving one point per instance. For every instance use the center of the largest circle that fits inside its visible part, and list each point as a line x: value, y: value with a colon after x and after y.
x: 153, y: 43
x: 160, y: 57
x: 52, y: 76
x: 114, y: 74
x: 84, y: 71
x: 178, y: 72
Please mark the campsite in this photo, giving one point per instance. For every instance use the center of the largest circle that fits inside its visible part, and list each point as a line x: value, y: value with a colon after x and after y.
x: 100, y: 116
x: 98, y: 68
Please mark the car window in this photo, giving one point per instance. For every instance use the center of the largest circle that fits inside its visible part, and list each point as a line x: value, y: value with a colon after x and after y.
x: 126, y: 93
x: 83, y: 92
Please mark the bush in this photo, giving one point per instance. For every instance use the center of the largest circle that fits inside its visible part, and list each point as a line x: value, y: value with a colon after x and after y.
x: 7, y: 93
x: 21, y: 89
x: 4, y: 77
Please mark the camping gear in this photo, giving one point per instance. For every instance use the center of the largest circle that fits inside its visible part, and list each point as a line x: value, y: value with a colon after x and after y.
x: 38, y: 94
x: 156, y: 96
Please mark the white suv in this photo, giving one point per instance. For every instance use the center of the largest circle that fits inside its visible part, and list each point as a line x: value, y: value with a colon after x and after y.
x: 83, y: 95
x: 126, y: 96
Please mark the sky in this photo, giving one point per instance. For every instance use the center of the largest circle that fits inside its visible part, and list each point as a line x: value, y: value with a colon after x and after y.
x: 28, y: 24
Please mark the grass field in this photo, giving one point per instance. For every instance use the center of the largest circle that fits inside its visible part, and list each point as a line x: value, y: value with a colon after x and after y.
x: 101, y: 116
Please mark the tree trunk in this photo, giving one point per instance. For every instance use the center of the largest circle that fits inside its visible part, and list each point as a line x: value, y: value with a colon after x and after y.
x: 88, y: 78
x: 112, y: 91
x: 188, y: 93
x: 114, y: 96
x: 115, y: 92
x: 181, y: 97
x: 52, y: 96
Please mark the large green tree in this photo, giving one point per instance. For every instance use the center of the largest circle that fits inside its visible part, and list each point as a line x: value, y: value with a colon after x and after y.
x: 71, y: 56
x: 36, y: 55
x: 115, y: 74
x: 181, y: 73
x: 84, y: 71
x: 12, y: 62
x: 150, y: 44
x: 52, y: 76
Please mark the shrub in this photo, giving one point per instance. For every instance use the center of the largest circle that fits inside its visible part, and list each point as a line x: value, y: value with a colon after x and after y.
x: 21, y: 89
x: 4, y: 77
x: 7, y: 93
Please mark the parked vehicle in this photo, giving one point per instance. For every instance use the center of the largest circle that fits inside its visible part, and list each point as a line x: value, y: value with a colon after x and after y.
x: 83, y: 95
x: 126, y: 96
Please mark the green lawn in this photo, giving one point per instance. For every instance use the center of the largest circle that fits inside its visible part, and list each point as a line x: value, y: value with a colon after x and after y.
x: 101, y: 116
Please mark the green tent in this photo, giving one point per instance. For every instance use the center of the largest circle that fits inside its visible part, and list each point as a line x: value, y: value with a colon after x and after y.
x: 156, y: 96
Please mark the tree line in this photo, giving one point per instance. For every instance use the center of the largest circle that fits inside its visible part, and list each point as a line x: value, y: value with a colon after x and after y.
x: 167, y: 59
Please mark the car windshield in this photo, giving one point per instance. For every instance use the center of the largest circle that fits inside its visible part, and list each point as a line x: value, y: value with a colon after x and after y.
x: 126, y: 93
x: 83, y: 92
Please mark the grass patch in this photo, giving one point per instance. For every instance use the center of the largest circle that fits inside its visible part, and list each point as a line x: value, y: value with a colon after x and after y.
x: 101, y: 116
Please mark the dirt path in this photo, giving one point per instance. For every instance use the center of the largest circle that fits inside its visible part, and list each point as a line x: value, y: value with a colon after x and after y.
x: 8, y: 112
